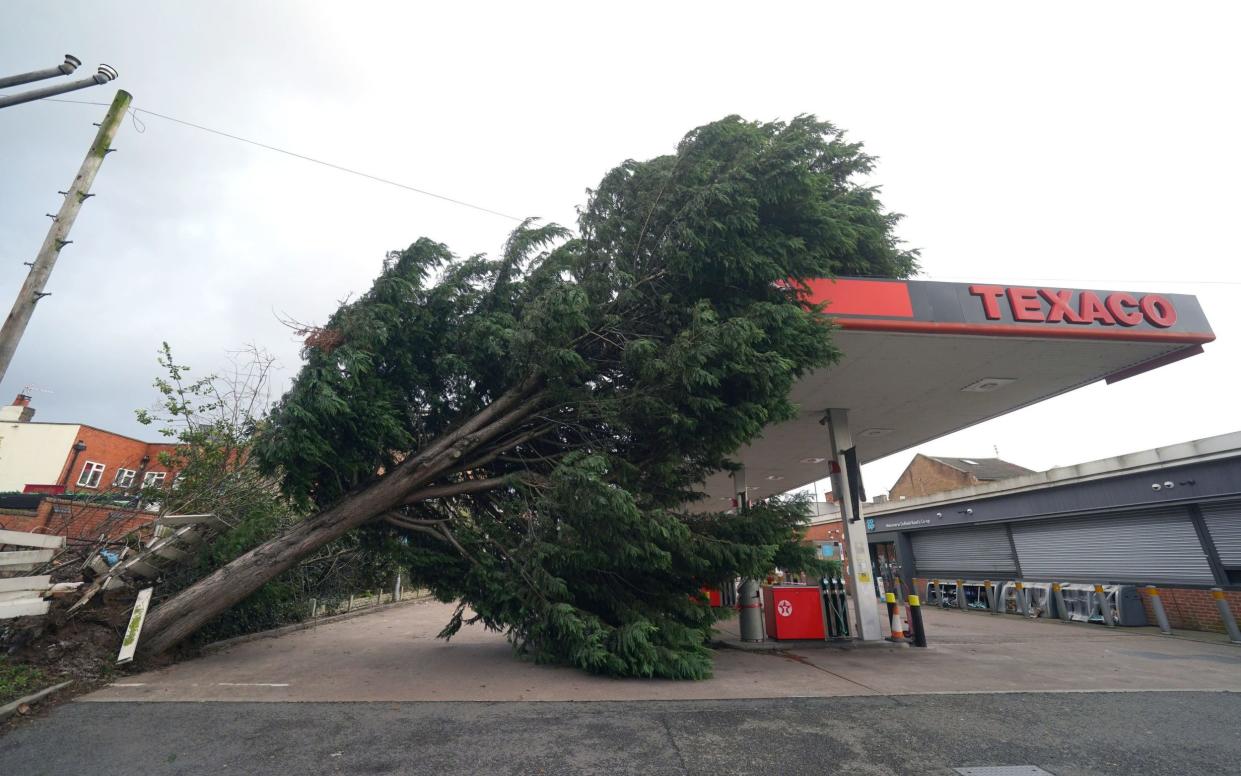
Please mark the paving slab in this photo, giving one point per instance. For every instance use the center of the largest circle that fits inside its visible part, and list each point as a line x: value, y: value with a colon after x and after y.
x: 979, y: 652
x: 393, y: 655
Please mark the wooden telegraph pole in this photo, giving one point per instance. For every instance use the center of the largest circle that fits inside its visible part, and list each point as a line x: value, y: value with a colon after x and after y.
x: 57, y: 237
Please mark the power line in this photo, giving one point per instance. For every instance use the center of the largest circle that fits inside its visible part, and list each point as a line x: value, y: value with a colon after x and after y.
x: 341, y: 168
x: 303, y: 157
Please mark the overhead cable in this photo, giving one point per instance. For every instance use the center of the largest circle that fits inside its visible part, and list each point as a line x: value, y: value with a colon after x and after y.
x: 303, y: 157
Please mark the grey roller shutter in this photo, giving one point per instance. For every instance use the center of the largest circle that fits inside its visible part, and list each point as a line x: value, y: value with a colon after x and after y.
x: 977, y: 550
x: 1223, y: 523
x: 1153, y: 546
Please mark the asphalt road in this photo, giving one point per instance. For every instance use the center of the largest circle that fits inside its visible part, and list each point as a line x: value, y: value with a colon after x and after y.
x: 1066, y: 734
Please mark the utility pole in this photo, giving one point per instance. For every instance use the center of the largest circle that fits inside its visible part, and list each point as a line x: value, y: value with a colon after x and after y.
x: 58, y: 236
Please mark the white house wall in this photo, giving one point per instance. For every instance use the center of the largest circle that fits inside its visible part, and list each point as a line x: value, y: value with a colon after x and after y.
x: 34, y: 453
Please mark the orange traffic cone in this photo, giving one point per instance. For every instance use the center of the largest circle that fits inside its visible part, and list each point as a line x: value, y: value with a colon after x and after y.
x: 898, y: 625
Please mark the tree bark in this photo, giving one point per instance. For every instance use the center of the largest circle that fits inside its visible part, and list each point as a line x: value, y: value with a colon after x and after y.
x: 187, y: 611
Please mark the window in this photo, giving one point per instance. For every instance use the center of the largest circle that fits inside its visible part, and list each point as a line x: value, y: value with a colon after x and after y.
x: 124, y: 478
x: 153, y: 479
x: 91, y: 474
x: 829, y: 550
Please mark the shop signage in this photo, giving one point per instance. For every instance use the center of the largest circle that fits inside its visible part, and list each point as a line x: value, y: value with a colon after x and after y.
x: 937, y: 307
x: 1083, y: 308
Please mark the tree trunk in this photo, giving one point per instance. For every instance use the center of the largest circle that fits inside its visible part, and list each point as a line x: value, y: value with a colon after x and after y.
x: 189, y: 610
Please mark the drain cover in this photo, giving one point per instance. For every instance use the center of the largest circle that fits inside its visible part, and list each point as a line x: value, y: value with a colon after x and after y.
x: 1003, y: 770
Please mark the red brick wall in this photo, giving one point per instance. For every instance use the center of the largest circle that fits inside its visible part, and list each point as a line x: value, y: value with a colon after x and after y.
x: 925, y: 477
x: 831, y: 532
x: 75, y: 520
x: 826, y: 532
x: 115, y: 452
x: 1192, y: 609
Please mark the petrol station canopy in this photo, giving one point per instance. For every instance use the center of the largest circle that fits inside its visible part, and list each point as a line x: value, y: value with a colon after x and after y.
x: 921, y: 359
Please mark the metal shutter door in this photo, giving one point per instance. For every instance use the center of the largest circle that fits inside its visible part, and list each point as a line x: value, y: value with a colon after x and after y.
x: 1142, y: 547
x: 1224, y: 525
x: 961, y: 550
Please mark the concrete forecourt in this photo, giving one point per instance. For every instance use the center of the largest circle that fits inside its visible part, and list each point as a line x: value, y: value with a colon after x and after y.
x: 380, y: 694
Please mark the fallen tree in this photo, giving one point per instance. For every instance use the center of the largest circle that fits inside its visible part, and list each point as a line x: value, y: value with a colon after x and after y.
x: 215, y: 420
x: 534, y: 426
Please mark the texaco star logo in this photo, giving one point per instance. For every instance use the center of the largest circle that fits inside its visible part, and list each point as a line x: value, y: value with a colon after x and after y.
x: 785, y: 608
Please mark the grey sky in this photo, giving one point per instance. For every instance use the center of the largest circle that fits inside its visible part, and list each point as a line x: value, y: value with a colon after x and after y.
x: 1078, y: 144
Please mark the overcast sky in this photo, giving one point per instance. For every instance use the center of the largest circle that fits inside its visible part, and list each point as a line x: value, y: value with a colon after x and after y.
x: 1078, y: 144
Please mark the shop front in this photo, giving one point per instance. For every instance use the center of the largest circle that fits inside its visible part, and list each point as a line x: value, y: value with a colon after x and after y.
x: 1168, y: 517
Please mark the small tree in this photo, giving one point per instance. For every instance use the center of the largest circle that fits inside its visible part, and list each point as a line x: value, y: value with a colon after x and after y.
x: 537, y: 424
x: 214, y: 421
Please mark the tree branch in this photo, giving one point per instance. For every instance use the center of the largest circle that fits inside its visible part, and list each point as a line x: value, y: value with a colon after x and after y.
x: 471, y: 486
x: 394, y: 519
x: 494, y: 451
x: 456, y: 489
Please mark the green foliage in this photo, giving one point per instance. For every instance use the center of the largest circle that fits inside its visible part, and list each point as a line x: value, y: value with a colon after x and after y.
x: 214, y: 420
x: 660, y: 337
x: 18, y: 680
x: 604, y: 585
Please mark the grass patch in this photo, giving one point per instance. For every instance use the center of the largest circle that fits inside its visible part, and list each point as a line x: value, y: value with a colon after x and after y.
x: 19, y: 680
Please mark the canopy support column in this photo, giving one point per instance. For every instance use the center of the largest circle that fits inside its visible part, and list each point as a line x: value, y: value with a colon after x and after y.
x: 865, y: 605
x: 749, y: 596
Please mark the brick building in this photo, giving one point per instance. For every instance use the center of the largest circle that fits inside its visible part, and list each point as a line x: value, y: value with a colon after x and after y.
x: 79, y: 520
x: 74, y: 457
x: 74, y: 479
x: 827, y: 532
x: 927, y: 475
x: 825, y: 529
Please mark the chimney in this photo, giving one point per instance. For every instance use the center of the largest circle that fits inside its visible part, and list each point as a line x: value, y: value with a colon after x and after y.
x: 19, y: 411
